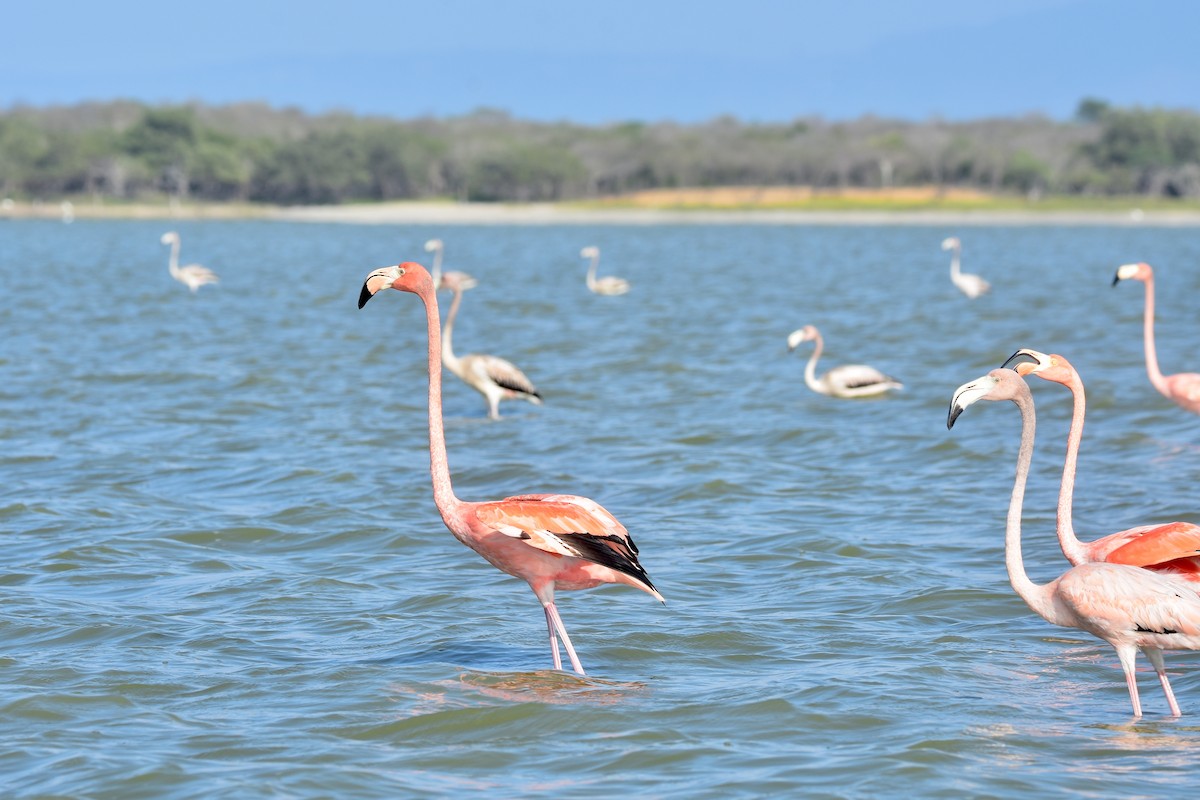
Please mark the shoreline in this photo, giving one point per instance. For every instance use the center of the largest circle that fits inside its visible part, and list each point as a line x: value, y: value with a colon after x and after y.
x: 449, y: 213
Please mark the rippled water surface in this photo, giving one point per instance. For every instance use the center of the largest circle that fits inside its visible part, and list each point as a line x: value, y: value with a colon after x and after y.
x: 224, y: 574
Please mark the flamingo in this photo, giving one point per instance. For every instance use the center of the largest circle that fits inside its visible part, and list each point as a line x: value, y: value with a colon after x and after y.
x: 1183, y: 387
x: 491, y: 376
x: 192, y: 276
x: 436, y: 247
x: 849, y: 380
x: 971, y: 285
x: 605, y: 285
x: 548, y: 540
x: 1129, y: 607
x: 1170, y: 547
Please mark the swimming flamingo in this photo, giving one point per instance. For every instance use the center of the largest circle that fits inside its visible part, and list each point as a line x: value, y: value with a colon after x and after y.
x: 192, y: 276
x: 1171, y: 547
x: 1183, y: 387
x: 849, y: 380
x: 971, y: 285
x: 491, y: 376
x: 1128, y: 607
x: 548, y: 540
x: 436, y: 247
x: 605, y: 285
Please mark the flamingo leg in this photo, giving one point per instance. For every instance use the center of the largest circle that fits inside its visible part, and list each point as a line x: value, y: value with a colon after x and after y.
x: 1155, y: 656
x: 553, y: 638
x: 1128, y: 657
x: 556, y: 620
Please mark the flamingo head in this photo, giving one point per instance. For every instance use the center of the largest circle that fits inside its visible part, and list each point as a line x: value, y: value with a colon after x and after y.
x: 951, y: 243
x: 999, y: 384
x: 1053, y: 367
x: 806, y: 334
x: 589, y: 252
x: 407, y: 277
x: 457, y: 281
x: 170, y: 237
x: 433, y: 245
x: 1138, y: 272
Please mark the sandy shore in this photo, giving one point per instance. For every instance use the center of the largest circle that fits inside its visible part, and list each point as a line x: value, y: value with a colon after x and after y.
x: 443, y: 213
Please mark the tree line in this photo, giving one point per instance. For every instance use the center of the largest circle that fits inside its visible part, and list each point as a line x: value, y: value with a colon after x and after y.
x: 252, y: 152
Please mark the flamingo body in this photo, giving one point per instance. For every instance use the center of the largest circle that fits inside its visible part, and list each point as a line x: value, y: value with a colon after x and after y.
x: 1129, y: 607
x: 1183, y: 387
x: 607, y: 285
x: 493, y: 377
x: 192, y: 276
x: 551, y: 541
x: 971, y: 285
x: 1170, y: 547
x: 848, y: 380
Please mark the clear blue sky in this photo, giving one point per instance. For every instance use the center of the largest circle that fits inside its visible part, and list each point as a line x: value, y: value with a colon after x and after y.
x: 684, y: 60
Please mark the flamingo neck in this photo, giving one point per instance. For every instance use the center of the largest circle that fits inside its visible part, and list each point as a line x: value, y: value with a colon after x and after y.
x: 1152, y: 370
x: 810, y: 369
x: 436, y: 271
x: 955, y: 266
x: 448, y: 358
x: 591, y: 273
x: 1038, y: 598
x: 1072, y: 548
x: 173, y: 263
x: 439, y: 466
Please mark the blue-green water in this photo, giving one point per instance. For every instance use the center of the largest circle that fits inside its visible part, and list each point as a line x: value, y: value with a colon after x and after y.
x: 224, y: 575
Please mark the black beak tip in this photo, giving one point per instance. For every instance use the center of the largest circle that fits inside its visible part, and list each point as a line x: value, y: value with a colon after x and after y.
x: 954, y: 414
x: 1116, y: 279
x: 364, y: 296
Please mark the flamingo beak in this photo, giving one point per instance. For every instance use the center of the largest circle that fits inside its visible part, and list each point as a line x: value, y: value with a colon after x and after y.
x: 1024, y: 356
x: 966, y: 395
x: 1116, y: 278
x: 376, y: 281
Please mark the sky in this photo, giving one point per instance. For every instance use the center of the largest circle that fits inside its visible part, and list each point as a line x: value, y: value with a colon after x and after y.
x: 616, y: 60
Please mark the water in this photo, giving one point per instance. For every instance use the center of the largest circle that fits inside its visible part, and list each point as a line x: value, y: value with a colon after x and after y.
x: 224, y: 574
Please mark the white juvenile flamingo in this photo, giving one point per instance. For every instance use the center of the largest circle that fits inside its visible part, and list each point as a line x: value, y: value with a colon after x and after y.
x: 1182, y: 387
x: 606, y: 285
x: 491, y: 376
x: 1171, y: 547
x: 551, y: 541
x: 1129, y: 607
x: 848, y: 380
x: 971, y: 285
x: 192, y: 276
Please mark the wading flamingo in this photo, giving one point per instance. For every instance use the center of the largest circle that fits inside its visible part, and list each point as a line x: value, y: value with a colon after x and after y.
x: 1170, y: 547
x: 192, y: 276
x: 491, y: 376
x: 548, y: 540
x: 1183, y: 387
x: 1128, y: 607
x: 606, y: 285
x: 850, y: 380
x: 971, y: 285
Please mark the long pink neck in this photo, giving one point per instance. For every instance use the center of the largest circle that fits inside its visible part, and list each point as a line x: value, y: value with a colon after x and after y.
x: 810, y: 369
x: 1152, y: 370
x: 439, y: 466
x: 1072, y: 548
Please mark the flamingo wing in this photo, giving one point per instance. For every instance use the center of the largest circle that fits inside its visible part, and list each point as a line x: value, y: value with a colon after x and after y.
x: 567, y: 525
x: 857, y: 376
x: 1150, y: 546
x: 503, y: 374
x: 1129, y: 600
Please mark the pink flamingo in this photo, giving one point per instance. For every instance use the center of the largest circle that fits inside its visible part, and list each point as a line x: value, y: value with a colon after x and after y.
x: 1170, y: 547
x: 1129, y: 607
x: 493, y: 377
x: 1183, y: 387
x: 192, y: 276
x: 548, y: 540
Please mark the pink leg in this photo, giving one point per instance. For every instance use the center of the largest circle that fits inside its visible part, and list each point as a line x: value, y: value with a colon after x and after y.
x: 1128, y: 657
x: 553, y: 638
x: 1155, y: 656
x: 556, y: 620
